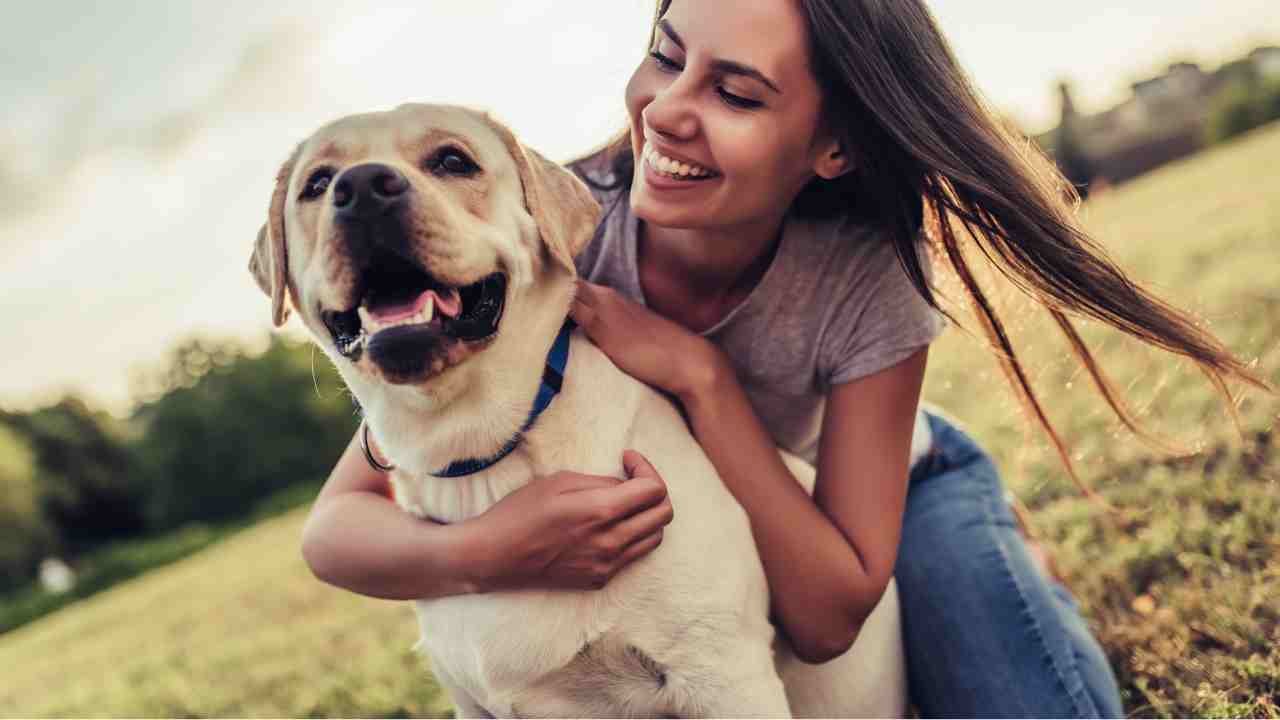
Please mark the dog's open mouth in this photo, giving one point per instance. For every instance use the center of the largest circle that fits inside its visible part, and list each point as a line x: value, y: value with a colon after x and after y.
x: 398, y: 299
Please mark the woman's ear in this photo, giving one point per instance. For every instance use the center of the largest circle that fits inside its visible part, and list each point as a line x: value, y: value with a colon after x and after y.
x: 832, y: 161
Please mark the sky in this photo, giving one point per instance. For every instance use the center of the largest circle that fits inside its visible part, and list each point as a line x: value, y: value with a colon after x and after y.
x: 140, y: 138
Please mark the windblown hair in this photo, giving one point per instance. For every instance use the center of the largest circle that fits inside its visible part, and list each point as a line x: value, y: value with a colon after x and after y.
x: 926, y: 152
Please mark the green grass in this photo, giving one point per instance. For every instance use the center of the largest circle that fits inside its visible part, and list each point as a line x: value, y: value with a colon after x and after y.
x: 126, y: 559
x: 1180, y: 584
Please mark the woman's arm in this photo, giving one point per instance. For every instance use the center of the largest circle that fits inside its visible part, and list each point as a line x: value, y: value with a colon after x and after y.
x: 828, y: 559
x: 566, y: 530
x: 357, y: 538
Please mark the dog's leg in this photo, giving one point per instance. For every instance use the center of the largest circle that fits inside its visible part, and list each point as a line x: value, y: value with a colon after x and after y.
x: 757, y: 695
x: 743, y: 682
x: 464, y: 705
x: 870, y: 680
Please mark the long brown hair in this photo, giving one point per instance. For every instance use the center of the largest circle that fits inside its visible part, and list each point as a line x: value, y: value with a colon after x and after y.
x: 927, y: 152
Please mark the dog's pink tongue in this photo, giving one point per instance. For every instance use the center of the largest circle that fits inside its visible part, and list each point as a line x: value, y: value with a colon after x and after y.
x: 449, y: 305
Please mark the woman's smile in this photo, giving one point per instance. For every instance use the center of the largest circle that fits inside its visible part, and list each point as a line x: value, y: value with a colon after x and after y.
x: 663, y: 172
x: 675, y: 166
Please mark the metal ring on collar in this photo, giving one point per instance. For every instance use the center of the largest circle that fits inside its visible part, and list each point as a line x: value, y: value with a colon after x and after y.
x: 368, y: 454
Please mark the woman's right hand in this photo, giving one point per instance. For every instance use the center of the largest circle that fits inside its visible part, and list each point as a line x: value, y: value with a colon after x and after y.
x: 572, y: 531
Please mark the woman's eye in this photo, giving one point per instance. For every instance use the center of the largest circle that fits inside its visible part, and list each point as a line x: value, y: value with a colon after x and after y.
x: 663, y: 61
x: 738, y: 100
x: 317, y: 184
x: 453, y: 162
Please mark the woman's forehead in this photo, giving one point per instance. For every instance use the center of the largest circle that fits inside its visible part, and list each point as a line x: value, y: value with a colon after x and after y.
x: 769, y: 35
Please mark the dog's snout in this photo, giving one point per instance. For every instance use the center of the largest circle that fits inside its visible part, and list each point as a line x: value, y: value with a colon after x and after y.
x: 369, y: 190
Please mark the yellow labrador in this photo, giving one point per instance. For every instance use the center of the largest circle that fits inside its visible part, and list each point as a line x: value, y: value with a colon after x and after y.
x: 430, y: 255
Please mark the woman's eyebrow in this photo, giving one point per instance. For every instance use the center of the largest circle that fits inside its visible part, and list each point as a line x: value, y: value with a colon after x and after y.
x: 725, y: 66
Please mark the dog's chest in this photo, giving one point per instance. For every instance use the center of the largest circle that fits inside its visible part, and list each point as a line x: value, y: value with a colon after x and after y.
x: 451, y: 500
x: 548, y: 648
x: 580, y: 664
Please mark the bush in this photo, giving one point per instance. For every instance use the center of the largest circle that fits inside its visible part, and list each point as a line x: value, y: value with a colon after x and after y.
x: 1241, y: 107
x: 87, y: 483
x: 27, y: 534
x: 231, y: 428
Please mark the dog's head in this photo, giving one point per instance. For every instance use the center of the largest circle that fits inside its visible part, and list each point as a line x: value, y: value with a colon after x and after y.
x: 410, y: 241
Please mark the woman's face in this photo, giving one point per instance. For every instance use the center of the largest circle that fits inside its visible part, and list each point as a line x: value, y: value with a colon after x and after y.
x: 725, y: 115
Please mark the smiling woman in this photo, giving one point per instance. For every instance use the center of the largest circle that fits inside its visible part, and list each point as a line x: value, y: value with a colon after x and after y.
x: 845, y: 116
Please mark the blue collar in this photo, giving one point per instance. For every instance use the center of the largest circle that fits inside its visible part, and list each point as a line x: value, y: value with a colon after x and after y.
x: 552, y: 378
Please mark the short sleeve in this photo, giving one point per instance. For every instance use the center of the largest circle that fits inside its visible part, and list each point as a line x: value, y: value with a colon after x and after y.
x: 880, y: 321
x: 598, y: 182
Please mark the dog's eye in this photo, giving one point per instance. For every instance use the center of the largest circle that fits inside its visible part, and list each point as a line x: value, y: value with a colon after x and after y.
x: 317, y: 184
x: 452, y: 161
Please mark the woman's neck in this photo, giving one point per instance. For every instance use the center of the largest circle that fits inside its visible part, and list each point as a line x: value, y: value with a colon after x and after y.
x: 697, y: 276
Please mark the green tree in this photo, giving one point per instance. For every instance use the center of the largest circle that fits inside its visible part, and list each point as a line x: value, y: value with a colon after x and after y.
x: 230, y: 428
x: 28, y: 535
x: 88, y: 486
x: 1244, y: 104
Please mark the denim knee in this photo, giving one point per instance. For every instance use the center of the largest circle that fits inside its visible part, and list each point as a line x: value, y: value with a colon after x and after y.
x: 986, y: 634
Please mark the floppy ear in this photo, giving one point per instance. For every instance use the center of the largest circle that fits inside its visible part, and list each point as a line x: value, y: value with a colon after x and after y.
x: 561, y: 205
x: 268, y: 263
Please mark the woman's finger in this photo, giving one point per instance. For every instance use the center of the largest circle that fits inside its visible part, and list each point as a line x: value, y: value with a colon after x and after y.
x: 637, y: 465
x: 637, y: 550
x: 626, y: 499
x: 571, y: 482
x: 584, y: 315
x: 586, y: 292
x: 646, y: 522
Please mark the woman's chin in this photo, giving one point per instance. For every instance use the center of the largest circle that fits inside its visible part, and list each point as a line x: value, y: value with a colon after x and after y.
x: 674, y: 210
x: 665, y: 213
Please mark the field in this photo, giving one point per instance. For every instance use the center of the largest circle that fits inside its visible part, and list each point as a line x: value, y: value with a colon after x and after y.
x: 1180, y: 582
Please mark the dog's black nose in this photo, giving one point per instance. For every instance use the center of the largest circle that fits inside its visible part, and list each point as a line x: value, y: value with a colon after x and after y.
x: 368, y: 191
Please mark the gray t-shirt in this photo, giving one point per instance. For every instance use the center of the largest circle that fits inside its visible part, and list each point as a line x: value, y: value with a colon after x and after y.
x: 835, y: 305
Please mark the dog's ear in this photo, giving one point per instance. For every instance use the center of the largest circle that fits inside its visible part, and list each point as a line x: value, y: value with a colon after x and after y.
x: 268, y: 263
x: 561, y: 205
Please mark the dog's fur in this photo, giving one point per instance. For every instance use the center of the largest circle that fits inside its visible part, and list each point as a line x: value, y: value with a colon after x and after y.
x: 683, y: 631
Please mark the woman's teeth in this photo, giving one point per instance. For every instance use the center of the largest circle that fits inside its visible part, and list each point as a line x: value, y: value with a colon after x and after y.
x: 673, y: 168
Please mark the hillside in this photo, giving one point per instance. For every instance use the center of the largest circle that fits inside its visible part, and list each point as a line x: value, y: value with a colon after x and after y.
x: 1180, y: 584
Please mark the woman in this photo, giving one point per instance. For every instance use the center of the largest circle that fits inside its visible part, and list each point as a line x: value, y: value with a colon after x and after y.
x: 789, y: 156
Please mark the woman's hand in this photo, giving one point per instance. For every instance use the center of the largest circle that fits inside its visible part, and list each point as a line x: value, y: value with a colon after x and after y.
x: 645, y: 345
x: 572, y: 531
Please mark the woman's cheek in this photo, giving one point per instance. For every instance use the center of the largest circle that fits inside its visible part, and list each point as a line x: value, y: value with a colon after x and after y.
x: 640, y: 92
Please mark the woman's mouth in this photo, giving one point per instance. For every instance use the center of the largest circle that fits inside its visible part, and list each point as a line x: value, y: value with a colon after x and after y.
x: 673, y: 168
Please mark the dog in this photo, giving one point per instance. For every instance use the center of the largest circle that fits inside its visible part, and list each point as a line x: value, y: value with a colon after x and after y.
x: 430, y: 255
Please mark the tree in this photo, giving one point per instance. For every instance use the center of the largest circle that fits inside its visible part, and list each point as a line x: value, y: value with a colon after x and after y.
x: 28, y: 535
x: 1245, y: 103
x: 232, y: 428
x: 88, y: 486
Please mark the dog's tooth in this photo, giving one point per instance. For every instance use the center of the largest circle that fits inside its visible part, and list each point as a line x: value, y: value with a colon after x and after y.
x: 366, y: 319
x: 422, y: 315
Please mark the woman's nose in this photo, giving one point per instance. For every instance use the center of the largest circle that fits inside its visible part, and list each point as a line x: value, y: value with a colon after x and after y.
x: 671, y: 113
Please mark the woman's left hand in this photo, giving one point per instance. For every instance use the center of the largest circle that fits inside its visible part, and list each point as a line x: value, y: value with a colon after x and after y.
x: 645, y: 345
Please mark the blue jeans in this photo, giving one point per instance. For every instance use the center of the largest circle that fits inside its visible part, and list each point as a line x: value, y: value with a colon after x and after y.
x: 987, y: 635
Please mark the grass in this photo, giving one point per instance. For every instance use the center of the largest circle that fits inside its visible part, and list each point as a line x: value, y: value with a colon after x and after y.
x: 1179, y: 584
x: 126, y: 559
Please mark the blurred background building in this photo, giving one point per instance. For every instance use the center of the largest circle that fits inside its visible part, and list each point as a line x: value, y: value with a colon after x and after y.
x: 1166, y: 117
